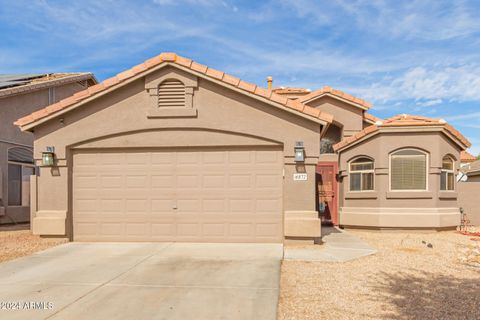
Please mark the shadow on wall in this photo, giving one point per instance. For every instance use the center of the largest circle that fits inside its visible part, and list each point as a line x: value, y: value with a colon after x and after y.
x: 425, y: 295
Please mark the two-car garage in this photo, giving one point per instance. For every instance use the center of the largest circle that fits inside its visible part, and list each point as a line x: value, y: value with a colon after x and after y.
x: 173, y: 151
x: 196, y: 194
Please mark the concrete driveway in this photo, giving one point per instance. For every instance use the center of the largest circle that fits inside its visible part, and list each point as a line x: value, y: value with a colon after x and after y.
x: 143, y: 281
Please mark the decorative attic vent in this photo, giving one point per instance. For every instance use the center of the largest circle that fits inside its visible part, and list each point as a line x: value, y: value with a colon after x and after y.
x: 171, y: 93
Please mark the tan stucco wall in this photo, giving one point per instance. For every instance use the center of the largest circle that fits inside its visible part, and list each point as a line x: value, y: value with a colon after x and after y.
x: 344, y: 114
x: 468, y: 199
x: 475, y: 178
x: 224, y: 118
x: 380, y: 208
x: 12, y: 108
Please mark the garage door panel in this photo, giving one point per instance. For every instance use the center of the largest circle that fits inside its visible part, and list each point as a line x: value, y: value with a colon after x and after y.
x: 213, y: 196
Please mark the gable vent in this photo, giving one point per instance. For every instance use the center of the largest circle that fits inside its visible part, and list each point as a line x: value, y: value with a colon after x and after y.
x: 171, y: 93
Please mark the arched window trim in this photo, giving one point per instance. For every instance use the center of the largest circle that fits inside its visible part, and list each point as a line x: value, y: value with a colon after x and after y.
x: 447, y: 172
x: 427, y: 166
x: 362, y: 173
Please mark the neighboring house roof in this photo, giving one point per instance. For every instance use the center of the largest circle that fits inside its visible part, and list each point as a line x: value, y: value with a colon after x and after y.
x: 467, y: 157
x: 287, y: 90
x: 11, y: 84
x: 474, y: 169
x: 370, y: 118
x: 402, y: 121
x: 328, y: 91
x: 169, y: 58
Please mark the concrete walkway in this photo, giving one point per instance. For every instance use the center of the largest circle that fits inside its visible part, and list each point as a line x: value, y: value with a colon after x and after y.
x: 144, y: 281
x: 338, y: 246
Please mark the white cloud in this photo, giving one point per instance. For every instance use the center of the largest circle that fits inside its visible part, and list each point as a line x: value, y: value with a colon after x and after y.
x: 418, y: 19
x: 429, y: 103
x: 435, y: 85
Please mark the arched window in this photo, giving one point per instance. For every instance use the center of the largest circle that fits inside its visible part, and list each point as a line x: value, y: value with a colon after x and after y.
x: 171, y: 93
x: 20, y: 168
x: 361, y: 174
x: 408, y: 170
x: 447, y: 175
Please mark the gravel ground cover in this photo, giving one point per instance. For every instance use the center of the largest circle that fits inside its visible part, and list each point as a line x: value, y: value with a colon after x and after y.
x: 18, y: 241
x: 413, y: 276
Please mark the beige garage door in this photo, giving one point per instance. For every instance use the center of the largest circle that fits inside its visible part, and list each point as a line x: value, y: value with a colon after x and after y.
x: 203, y: 195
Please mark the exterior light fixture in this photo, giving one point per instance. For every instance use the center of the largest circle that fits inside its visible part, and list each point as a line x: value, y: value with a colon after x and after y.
x: 299, y: 151
x: 48, y: 157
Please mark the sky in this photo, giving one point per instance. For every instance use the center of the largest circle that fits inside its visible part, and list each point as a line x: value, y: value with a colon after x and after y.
x: 414, y: 57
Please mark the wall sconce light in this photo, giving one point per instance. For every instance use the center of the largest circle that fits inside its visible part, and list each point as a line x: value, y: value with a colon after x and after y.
x: 48, y: 157
x: 299, y: 151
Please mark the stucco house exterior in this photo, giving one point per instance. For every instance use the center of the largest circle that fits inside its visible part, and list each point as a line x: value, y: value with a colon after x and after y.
x: 173, y: 150
x: 20, y: 95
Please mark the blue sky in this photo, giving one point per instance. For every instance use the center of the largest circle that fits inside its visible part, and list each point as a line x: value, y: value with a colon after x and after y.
x: 419, y: 57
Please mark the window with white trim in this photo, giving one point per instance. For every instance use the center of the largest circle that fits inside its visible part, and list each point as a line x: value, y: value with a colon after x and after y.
x: 408, y: 170
x: 361, y: 174
x: 447, y: 175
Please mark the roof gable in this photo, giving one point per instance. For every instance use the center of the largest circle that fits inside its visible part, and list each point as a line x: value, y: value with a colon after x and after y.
x: 337, y: 94
x: 155, y: 63
x: 403, y: 121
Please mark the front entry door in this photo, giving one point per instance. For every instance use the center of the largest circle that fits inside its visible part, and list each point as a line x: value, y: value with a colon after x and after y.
x: 327, y: 191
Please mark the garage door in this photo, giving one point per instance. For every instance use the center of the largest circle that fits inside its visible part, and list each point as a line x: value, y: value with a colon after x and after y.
x: 203, y: 195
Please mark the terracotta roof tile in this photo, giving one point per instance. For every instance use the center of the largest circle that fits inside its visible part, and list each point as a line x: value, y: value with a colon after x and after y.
x: 403, y: 120
x: 153, y: 61
x: 181, y: 61
x: 467, y: 157
x: 184, y: 61
x: 139, y: 68
x: 287, y: 90
x: 125, y: 74
x: 168, y: 56
x: 214, y: 73
x: 247, y: 86
x: 111, y: 82
x: 96, y: 88
x: 198, y: 67
x: 294, y: 104
x: 263, y: 92
x: 328, y: 90
x: 234, y: 81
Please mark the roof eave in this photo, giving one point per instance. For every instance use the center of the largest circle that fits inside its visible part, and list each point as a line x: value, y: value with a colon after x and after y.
x: 30, y: 126
x: 386, y: 129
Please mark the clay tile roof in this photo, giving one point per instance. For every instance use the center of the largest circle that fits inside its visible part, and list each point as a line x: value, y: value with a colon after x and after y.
x: 467, y: 157
x: 403, y: 120
x: 338, y: 93
x: 172, y: 58
x: 287, y: 90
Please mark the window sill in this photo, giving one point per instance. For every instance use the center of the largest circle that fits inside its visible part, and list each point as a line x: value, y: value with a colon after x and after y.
x: 361, y: 195
x: 447, y: 195
x: 409, y: 195
x: 173, y: 113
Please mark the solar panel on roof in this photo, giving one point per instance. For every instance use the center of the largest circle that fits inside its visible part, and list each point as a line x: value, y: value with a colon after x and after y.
x: 13, y: 80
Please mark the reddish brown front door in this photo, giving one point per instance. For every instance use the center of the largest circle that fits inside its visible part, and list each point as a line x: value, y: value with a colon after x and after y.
x: 327, y: 190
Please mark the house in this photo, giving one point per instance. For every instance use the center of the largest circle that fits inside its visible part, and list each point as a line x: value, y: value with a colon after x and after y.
x: 473, y: 171
x: 465, y: 159
x: 20, y: 95
x: 172, y: 150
